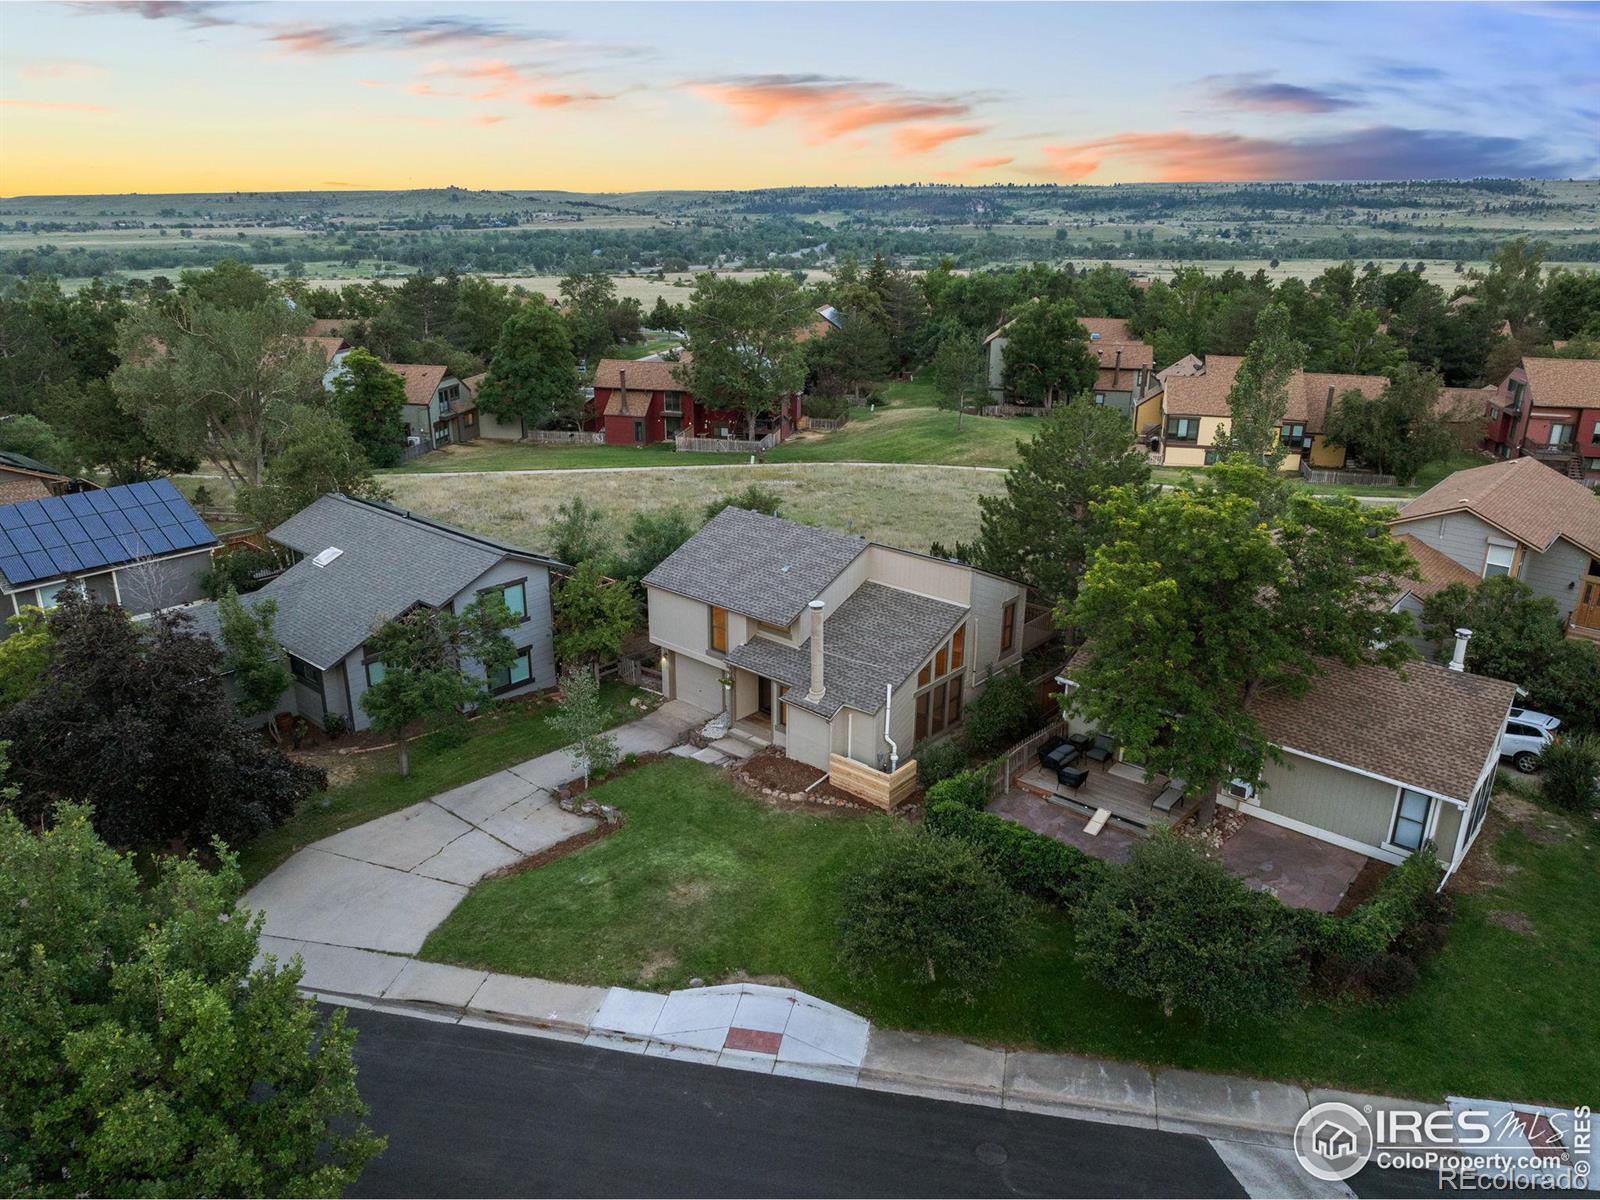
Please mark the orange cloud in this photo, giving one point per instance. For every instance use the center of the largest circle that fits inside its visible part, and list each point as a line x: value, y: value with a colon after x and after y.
x: 562, y: 99
x: 986, y: 163
x: 827, y: 108
x: 922, y: 139
x: 488, y: 119
x: 55, y: 106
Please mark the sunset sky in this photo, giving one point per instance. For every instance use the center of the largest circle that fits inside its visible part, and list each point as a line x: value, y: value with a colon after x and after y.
x: 168, y: 96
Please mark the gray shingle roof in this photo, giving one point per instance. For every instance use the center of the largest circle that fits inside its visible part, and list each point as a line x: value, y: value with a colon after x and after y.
x: 876, y: 638
x: 391, y: 561
x: 761, y: 566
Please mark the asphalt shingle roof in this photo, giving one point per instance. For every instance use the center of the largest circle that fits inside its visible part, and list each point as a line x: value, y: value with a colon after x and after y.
x: 1532, y: 502
x: 1205, y: 394
x: 1436, y: 571
x: 761, y: 566
x: 878, y: 637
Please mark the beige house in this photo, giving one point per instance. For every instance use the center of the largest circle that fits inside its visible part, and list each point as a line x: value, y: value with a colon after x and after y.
x: 825, y: 643
x: 1374, y: 760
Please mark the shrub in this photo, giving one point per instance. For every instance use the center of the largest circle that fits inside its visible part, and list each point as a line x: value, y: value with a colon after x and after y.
x: 334, y: 725
x: 1003, y: 714
x: 969, y: 788
x: 1174, y: 927
x: 1405, y: 915
x: 1571, y: 773
x: 1031, y: 863
x: 754, y: 498
x: 242, y: 569
x: 923, y: 907
x: 827, y: 408
x: 941, y: 761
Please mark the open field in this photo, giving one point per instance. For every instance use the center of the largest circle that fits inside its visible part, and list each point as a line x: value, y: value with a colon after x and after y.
x: 705, y: 880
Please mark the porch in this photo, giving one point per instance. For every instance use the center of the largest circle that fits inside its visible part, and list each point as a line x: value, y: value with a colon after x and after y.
x: 1117, y: 788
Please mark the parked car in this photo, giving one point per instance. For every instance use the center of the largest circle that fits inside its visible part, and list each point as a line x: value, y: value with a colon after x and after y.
x: 1526, y: 736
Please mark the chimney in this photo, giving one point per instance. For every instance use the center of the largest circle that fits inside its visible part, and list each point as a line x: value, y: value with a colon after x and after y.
x: 622, y: 378
x: 817, y: 685
x: 1458, y: 660
x: 1116, y: 369
x: 1327, y: 405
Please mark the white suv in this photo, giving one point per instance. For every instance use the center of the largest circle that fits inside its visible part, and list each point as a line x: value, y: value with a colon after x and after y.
x: 1526, y: 736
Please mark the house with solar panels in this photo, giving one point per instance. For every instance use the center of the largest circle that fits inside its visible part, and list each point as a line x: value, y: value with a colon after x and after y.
x: 140, y: 546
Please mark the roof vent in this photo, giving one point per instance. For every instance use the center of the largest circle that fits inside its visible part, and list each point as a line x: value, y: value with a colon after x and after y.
x: 1094, y: 337
x: 326, y: 556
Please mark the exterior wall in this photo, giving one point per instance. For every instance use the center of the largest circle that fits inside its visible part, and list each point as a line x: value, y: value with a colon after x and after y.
x: 902, y: 726
x: 808, y: 738
x: 918, y: 573
x: 535, y: 633
x: 418, y: 420
x: 1461, y: 537
x: 1505, y: 428
x: 491, y: 426
x: 143, y: 587
x: 1555, y: 572
x: 1122, y: 401
x: 1341, y: 802
x: 1326, y: 457
x: 1148, y: 414
x: 1191, y: 454
x: 678, y: 623
x: 997, y: 370
x: 989, y: 597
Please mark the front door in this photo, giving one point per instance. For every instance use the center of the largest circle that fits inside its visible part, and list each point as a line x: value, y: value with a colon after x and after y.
x: 1587, y: 613
x: 764, y: 698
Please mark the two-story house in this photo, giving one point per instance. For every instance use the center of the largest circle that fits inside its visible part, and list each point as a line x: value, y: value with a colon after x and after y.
x: 642, y: 401
x: 1195, y: 413
x: 438, y: 409
x: 1126, y: 365
x: 1549, y: 409
x: 1517, y: 518
x: 825, y: 643
x: 360, y: 563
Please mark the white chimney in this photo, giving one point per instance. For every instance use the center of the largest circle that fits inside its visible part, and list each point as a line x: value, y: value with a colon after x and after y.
x: 817, y: 686
x: 1458, y: 660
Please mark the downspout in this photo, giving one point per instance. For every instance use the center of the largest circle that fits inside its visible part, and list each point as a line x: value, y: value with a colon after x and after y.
x: 888, y: 709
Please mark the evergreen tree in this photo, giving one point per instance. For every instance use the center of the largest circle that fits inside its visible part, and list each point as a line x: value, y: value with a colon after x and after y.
x: 1260, y: 393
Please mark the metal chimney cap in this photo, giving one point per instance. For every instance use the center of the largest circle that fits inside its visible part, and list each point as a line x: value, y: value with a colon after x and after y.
x: 1463, y: 633
x: 815, y: 605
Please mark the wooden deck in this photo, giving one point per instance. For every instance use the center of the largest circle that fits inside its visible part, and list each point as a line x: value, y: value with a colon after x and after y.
x: 1116, y: 787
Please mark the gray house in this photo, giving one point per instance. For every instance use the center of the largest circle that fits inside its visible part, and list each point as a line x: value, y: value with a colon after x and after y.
x: 360, y: 562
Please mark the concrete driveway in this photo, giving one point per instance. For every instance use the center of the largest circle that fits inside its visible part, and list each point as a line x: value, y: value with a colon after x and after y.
x: 385, y: 885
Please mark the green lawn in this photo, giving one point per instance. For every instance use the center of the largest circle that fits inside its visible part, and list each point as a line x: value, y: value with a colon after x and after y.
x: 366, y: 786
x: 705, y: 881
x: 526, y: 456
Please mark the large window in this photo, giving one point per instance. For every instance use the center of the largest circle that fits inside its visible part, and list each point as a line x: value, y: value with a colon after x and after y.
x: 672, y: 402
x: 1410, y: 820
x: 1498, y: 561
x: 719, y: 629
x: 374, y: 671
x: 1008, y: 626
x: 940, y: 685
x: 1183, y: 429
x: 515, y: 596
x: 305, y: 673
x: 1480, y: 807
x: 518, y: 673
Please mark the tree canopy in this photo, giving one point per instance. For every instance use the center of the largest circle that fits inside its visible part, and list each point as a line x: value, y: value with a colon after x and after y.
x: 1047, y: 354
x: 532, y: 377
x: 368, y: 398
x: 1259, y: 397
x: 743, y: 334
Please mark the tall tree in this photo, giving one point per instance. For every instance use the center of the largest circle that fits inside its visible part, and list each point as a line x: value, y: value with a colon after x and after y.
x: 1194, y: 604
x: 593, y: 617
x: 596, y: 318
x: 368, y: 397
x: 251, y: 655
x: 1044, y: 527
x: 1047, y: 354
x: 1510, y: 288
x: 959, y: 372
x: 533, y: 374
x: 482, y: 309
x: 1260, y: 393
x: 146, y: 1052
x: 1396, y: 432
x: 101, y: 434
x: 318, y: 456
x: 743, y: 335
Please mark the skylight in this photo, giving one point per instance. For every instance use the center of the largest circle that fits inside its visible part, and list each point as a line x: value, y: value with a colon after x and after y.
x: 327, y: 556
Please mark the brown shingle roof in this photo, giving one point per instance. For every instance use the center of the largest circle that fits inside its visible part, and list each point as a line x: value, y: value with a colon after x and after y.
x: 1522, y: 496
x: 1463, y: 404
x: 473, y: 382
x: 647, y: 376
x: 329, y: 346
x: 327, y: 327
x: 1563, y: 382
x: 1425, y: 726
x: 16, y: 488
x: 422, y: 379
x: 1206, y: 394
x: 1436, y: 570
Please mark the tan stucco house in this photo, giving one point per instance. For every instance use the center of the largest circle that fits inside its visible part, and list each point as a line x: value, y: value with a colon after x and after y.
x: 825, y: 643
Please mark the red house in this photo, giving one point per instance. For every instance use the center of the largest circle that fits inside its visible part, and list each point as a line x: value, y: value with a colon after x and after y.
x: 644, y: 401
x: 1549, y: 409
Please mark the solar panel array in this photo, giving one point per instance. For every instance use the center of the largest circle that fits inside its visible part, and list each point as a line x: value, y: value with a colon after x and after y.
x: 90, y: 531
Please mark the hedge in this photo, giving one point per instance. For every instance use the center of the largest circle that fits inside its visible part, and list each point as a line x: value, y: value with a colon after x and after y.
x: 1030, y: 862
x: 969, y: 788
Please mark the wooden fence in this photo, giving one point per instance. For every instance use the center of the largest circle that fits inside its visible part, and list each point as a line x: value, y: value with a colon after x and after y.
x: 1367, y: 478
x: 1013, y: 410
x: 875, y: 787
x: 699, y: 445
x: 565, y: 437
x: 634, y: 671
x: 1021, y: 756
x: 824, y: 424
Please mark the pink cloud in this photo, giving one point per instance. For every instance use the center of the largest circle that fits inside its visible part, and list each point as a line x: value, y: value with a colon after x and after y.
x: 489, y: 119
x: 826, y: 108
x: 986, y: 163
x: 55, y: 106
x: 922, y: 139
x: 562, y: 99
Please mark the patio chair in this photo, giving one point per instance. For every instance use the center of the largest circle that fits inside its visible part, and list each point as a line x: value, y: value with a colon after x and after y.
x: 1171, y: 796
x: 1063, y: 755
x: 1101, y: 751
x: 1072, y: 777
x: 1050, y: 746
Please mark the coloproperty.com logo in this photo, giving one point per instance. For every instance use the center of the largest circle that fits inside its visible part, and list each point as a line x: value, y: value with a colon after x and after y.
x: 1470, y: 1148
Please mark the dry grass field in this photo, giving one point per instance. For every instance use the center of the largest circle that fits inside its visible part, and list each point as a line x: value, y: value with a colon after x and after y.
x: 903, y: 506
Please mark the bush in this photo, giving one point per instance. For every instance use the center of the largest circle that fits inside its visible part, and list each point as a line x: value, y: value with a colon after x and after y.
x: 1031, y: 863
x: 941, y: 761
x: 969, y: 788
x: 926, y: 908
x: 1406, y: 915
x: 827, y: 408
x: 754, y: 498
x: 334, y: 725
x: 1174, y: 927
x: 1571, y: 773
x: 1003, y: 714
x: 242, y: 569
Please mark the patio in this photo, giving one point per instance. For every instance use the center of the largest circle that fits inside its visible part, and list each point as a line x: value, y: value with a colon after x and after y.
x: 1118, y: 788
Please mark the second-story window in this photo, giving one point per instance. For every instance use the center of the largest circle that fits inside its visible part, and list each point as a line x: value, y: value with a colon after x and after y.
x: 1498, y: 561
x: 1008, y: 626
x: 672, y: 402
x: 514, y: 596
x: 1183, y: 429
x: 719, y: 629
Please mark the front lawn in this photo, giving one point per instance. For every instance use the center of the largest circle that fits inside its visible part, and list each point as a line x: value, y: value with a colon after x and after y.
x: 365, y: 786
x: 705, y: 881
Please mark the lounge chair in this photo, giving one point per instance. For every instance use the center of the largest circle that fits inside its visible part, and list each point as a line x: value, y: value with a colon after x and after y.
x: 1171, y: 796
x: 1061, y: 756
x: 1072, y: 777
x: 1102, y: 750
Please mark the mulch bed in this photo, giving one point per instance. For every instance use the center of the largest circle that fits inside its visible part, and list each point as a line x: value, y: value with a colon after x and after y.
x: 1362, y: 887
x: 781, y: 779
x: 560, y: 850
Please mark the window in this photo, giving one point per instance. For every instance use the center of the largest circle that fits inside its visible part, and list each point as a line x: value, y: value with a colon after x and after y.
x: 1183, y: 429
x: 958, y: 649
x: 518, y: 673
x: 672, y: 402
x: 941, y: 662
x: 1410, y: 820
x: 1594, y: 435
x: 1292, y: 432
x: 305, y: 673
x: 513, y: 595
x: 941, y: 685
x: 374, y: 671
x: 783, y: 707
x: 1211, y: 458
x: 1560, y: 435
x: 719, y: 629
x: 1099, y: 397
x: 49, y: 593
x: 776, y: 630
x: 1480, y: 806
x: 1008, y: 626
x: 1516, y: 388
x: 638, y: 431
x: 1498, y: 561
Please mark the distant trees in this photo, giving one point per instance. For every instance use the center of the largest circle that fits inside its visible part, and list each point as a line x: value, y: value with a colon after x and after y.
x: 368, y: 398
x: 743, y: 335
x: 532, y: 377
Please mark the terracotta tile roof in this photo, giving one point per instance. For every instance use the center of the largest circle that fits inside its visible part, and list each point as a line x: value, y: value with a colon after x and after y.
x: 1425, y: 726
x: 329, y: 346
x: 1563, y: 382
x: 1206, y: 394
x: 1532, y: 502
x: 1436, y: 569
x: 422, y: 380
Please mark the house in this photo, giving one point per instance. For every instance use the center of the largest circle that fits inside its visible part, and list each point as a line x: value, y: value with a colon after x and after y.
x: 24, y: 478
x: 1517, y: 518
x: 138, y: 545
x: 437, y: 409
x: 360, y: 562
x: 1147, y: 413
x: 333, y: 351
x: 1373, y: 760
x: 1549, y: 409
x: 1464, y: 411
x: 831, y: 645
x: 643, y: 401
x: 489, y: 425
x: 1125, y: 374
x: 1195, y: 413
x: 1435, y: 572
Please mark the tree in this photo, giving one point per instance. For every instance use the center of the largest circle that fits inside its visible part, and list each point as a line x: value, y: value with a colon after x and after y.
x: 28, y: 435
x: 1042, y: 529
x: 583, y: 719
x: 533, y: 375
x: 923, y: 908
x: 24, y: 655
x: 1000, y: 716
x: 596, y: 319
x: 1510, y: 289
x: 666, y: 316
x: 1260, y: 393
x: 846, y: 357
x: 132, y: 717
x: 145, y: 1053
x: 481, y: 311
x: 752, y: 498
x: 1175, y: 927
x: 579, y: 531
x: 102, y: 434
x: 593, y: 617
x: 746, y: 358
x: 1197, y: 601
x: 650, y: 538
x: 368, y: 397
x: 960, y: 373
x: 216, y: 383
x: 1397, y: 432
x: 251, y: 655
x: 318, y: 456
x: 435, y: 663
x: 1047, y: 354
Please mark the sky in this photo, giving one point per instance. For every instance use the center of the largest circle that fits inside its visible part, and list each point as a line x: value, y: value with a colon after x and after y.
x: 199, y: 96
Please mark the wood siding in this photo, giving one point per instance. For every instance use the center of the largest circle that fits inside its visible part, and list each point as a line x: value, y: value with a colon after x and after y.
x: 875, y: 787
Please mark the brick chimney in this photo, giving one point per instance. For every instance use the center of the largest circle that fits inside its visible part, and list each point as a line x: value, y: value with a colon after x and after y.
x: 1327, y: 406
x: 1116, y: 369
x: 818, y: 685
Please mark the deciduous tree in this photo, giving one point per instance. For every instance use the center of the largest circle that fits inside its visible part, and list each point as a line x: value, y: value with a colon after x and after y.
x: 368, y: 397
x: 583, y: 720
x: 1047, y: 355
x: 533, y: 378
x: 593, y: 617
x: 960, y: 373
x: 318, y: 456
x: 743, y: 335
x: 251, y: 655
x: 1259, y: 397
x: 1397, y: 432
